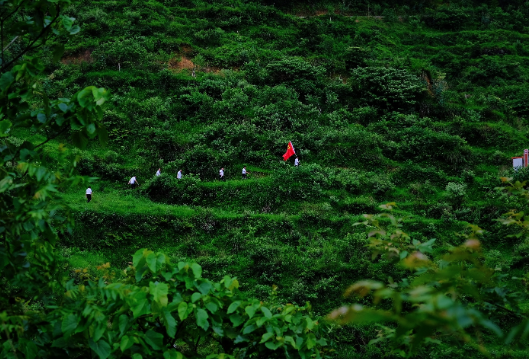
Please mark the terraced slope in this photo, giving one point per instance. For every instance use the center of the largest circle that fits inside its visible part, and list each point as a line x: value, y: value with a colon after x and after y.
x: 419, y: 110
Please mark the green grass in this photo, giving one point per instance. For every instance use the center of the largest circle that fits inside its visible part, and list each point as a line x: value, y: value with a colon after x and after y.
x: 123, y: 202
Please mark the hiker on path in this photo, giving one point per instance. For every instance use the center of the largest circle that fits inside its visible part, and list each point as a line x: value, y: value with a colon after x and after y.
x: 133, y: 182
x: 296, y: 162
x: 159, y: 172
x: 88, y: 194
x: 244, y: 173
x: 221, y: 175
x: 179, y: 174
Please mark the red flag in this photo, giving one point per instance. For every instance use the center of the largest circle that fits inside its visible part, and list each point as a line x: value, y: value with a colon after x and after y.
x: 290, y: 151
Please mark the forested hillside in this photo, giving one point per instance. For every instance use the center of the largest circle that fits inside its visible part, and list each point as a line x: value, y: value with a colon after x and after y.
x: 418, y: 103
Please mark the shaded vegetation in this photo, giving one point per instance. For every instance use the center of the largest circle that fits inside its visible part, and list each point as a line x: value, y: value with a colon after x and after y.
x: 422, y: 103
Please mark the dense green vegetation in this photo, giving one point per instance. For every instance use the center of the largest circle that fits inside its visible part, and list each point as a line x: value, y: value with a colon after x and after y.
x: 421, y: 104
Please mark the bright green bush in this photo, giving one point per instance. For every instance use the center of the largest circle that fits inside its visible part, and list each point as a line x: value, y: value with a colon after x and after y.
x: 389, y: 89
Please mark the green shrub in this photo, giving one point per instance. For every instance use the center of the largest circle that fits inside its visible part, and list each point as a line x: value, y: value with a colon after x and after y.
x: 456, y: 192
x: 450, y: 18
x: 389, y: 89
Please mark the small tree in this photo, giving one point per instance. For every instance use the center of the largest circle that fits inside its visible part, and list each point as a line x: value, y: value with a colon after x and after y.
x: 454, y: 294
x: 388, y: 89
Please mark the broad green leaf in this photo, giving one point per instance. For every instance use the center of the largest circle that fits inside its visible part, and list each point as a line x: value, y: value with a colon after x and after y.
x: 99, y: 331
x: 299, y: 342
x: 172, y: 354
x: 266, y: 337
x: 5, y: 184
x: 137, y: 356
x: 197, y: 270
x: 218, y: 330
x: 204, y: 287
x: 140, y: 304
x: 125, y: 343
x: 63, y: 107
x: 151, y: 262
x: 6, y: 80
x: 202, y: 319
x: 159, y: 292
x: 322, y: 342
x: 273, y: 345
x: 170, y: 323
x: 249, y: 329
x: 29, y: 348
x: 138, y: 257
x: 240, y: 339
x: 5, y: 127
x: 58, y: 50
x: 195, y: 297
x: 69, y: 323
x: 59, y: 343
x: 123, y: 321
x: 79, y: 140
x: 237, y: 319
x: 154, y: 339
x: 492, y: 326
x: 101, y: 348
x: 233, y: 307
x: 266, y: 312
x: 227, y: 281
x: 102, y: 133
x: 161, y: 259
x: 212, y: 307
x: 182, y: 311
x: 289, y: 339
x: 140, y: 272
x: 250, y: 310
x: 41, y: 117
x: 67, y: 22
x: 85, y: 97
x: 91, y: 128
x: 75, y: 29
x: 311, y: 341
x: 310, y: 323
x: 261, y: 321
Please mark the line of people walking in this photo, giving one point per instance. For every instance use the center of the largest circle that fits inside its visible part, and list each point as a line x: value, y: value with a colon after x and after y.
x: 133, y: 182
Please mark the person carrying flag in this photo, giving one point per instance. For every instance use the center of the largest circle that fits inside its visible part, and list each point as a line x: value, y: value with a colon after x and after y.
x: 290, y: 151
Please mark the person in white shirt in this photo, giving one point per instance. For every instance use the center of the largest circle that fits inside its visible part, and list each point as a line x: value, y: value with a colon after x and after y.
x: 296, y: 162
x: 88, y: 194
x: 244, y: 173
x: 159, y: 172
x: 221, y: 174
x: 133, y: 182
x: 179, y: 174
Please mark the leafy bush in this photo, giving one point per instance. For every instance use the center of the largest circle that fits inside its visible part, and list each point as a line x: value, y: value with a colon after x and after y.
x: 449, y: 18
x: 456, y: 192
x: 387, y: 88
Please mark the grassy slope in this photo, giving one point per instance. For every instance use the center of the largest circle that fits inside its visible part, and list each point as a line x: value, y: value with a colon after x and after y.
x: 303, y: 242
